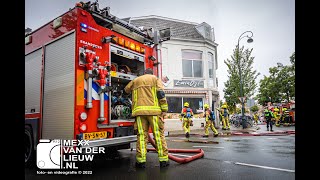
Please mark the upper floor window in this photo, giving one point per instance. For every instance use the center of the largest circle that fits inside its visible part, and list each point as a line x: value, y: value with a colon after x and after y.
x: 192, y: 63
x: 210, y: 64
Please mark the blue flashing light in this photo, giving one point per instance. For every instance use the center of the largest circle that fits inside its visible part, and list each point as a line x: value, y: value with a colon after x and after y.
x: 83, y: 25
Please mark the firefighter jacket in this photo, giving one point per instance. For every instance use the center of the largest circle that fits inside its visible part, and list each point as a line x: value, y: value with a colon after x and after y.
x: 209, y: 115
x: 186, y: 113
x: 224, y: 111
x: 286, y: 112
x: 268, y: 114
x: 148, y: 97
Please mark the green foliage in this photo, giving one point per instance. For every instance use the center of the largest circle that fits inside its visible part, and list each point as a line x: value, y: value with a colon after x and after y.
x: 254, y: 108
x: 238, y: 110
x: 248, y: 76
x: 280, y: 85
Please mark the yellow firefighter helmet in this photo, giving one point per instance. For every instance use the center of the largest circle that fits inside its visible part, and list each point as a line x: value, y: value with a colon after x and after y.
x: 186, y: 104
x: 206, y: 106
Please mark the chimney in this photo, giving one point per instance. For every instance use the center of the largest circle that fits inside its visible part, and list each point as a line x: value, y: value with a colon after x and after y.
x: 27, y: 31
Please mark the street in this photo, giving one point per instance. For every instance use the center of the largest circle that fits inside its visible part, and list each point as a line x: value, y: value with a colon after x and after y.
x: 225, y: 157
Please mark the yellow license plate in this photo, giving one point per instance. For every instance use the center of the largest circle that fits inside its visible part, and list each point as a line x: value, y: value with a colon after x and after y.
x: 95, y: 135
x: 113, y: 73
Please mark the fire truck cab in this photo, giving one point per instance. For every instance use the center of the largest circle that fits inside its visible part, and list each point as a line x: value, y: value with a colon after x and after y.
x: 76, y: 67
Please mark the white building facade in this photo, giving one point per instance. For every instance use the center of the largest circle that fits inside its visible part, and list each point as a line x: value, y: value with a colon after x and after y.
x: 188, y: 63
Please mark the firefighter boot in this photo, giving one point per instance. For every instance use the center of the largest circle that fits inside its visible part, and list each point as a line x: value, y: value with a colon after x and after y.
x: 164, y: 164
x: 205, y: 136
x: 215, y: 135
x: 187, y: 135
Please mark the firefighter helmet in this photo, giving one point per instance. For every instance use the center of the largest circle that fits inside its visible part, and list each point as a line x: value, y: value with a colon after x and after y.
x: 206, y: 106
x: 186, y: 104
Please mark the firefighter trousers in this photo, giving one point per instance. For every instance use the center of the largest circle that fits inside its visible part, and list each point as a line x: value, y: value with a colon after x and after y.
x: 186, y: 125
x: 143, y: 123
x: 209, y: 124
x: 225, y: 122
x: 277, y: 121
x: 269, y: 123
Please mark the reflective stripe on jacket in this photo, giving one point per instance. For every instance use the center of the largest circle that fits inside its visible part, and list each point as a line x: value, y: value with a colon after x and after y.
x: 144, y: 96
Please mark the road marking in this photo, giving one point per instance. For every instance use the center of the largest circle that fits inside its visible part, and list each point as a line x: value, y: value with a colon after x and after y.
x: 272, y: 138
x: 246, y: 138
x: 264, y: 167
x: 180, y: 155
x: 210, y: 147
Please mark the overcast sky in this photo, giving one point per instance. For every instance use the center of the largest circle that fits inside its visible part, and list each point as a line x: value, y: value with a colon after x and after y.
x: 271, y: 21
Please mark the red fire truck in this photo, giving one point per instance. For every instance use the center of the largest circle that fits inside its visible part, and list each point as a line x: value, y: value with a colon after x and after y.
x: 76, y: 67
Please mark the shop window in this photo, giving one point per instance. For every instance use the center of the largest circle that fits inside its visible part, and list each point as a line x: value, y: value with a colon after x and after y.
x: 174, y: 104
x: 196, y: 104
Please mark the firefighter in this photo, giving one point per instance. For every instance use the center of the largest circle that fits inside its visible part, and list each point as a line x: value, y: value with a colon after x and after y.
x: 268, y: 115
x: 209, y: 117
x: 286, y: 116
x: 224, y: 113
x: 255, y: 117
x: 149, y: 105
x: 276, y: 114
x: 186, y: 118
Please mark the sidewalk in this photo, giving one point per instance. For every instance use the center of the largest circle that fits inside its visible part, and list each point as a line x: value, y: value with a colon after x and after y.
x: 173, y: 127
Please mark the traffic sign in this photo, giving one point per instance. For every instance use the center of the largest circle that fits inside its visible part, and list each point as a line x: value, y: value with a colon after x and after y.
x: 242, y: 99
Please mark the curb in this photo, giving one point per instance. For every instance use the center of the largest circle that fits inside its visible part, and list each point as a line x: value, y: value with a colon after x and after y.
x: 265, y: 134
x: 279, y: 133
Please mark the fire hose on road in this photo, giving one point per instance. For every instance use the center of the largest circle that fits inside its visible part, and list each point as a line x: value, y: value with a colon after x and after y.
x: 200, y: 153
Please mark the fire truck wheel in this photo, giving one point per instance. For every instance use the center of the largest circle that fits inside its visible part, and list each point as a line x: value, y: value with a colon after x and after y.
x: 28, y: 145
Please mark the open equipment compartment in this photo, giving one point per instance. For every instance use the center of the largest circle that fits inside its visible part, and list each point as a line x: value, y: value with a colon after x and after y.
x: 126, y: 65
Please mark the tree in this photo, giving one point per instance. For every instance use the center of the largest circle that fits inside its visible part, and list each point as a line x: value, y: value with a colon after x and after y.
x: 280, y: 85
x: 238, y: 110
x: 287, y: 83
x: 248, y: 75
x: 254, y: 108
x: 270, y: 87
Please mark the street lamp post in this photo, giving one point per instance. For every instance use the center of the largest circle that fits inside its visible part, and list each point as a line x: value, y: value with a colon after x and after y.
x: 249, y: 40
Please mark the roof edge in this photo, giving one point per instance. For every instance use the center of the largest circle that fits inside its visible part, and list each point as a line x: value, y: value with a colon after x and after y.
x: 164, y: 18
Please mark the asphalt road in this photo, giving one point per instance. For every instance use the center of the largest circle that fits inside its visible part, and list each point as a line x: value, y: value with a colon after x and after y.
x: 234, y: 157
